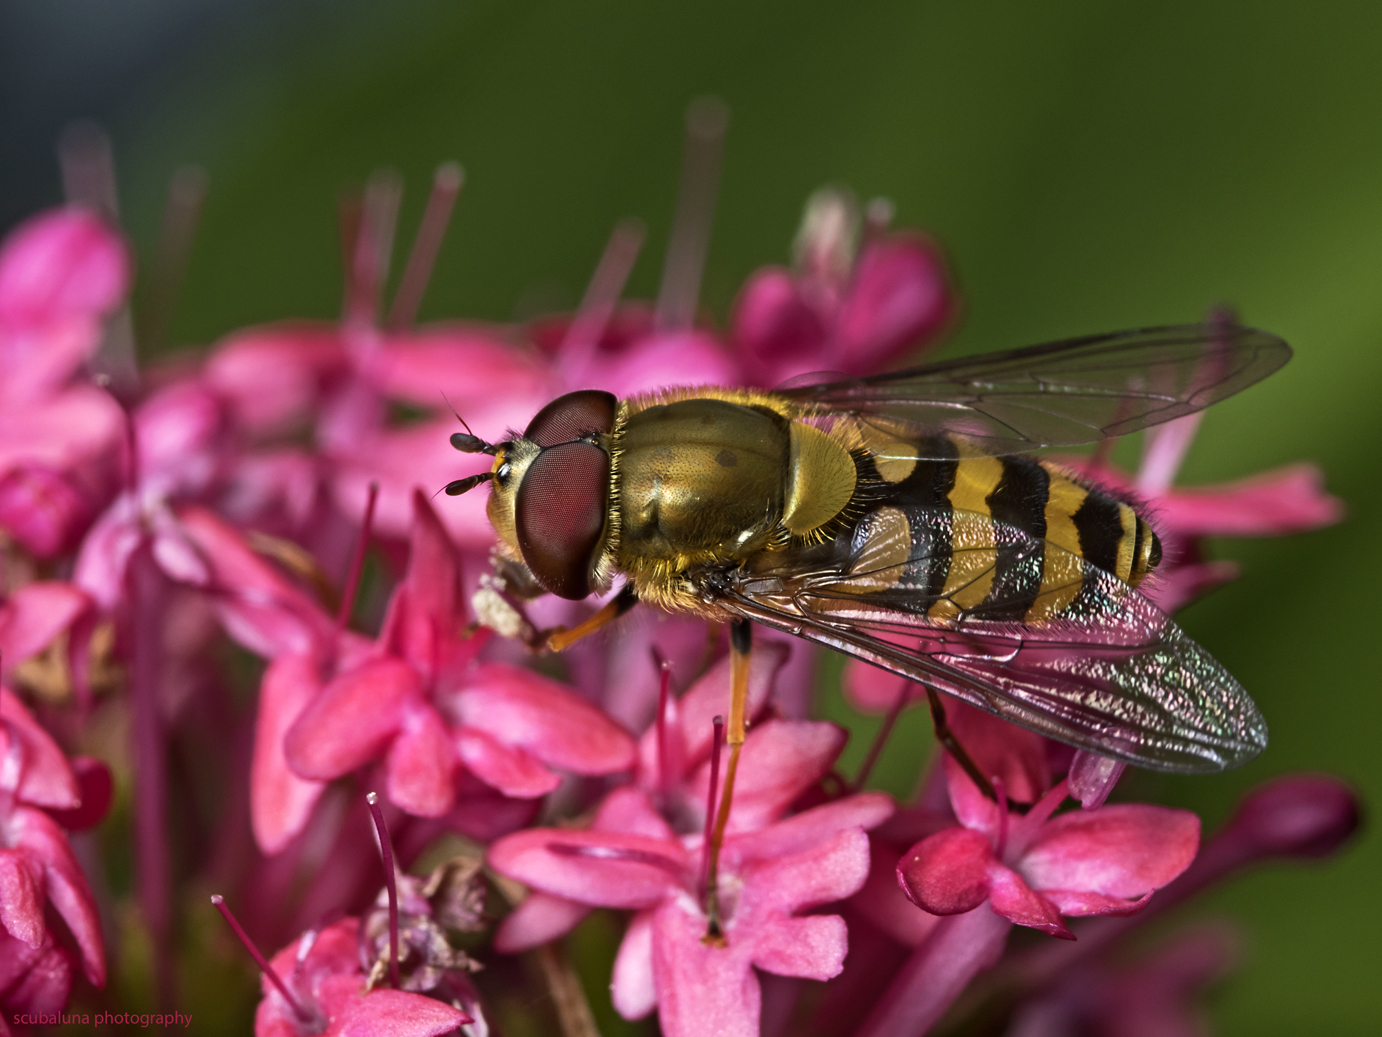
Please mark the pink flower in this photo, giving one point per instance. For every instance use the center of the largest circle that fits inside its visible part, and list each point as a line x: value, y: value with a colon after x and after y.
x: 38, y: 869
x: 841, y: 309
x: 61, y: 274
x: 768, y: 876
x: 421, y: 704
x: 1033, y: 869
x: 782, y: 759
x: 323, y: 970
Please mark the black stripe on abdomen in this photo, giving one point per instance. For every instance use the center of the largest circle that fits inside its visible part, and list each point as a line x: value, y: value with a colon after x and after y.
x: 1019, y: 501
x: 924, y: 496
x: 1100, y: 525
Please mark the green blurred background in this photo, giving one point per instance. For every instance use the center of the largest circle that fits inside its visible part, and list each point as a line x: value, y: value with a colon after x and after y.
x: 1088, y: 166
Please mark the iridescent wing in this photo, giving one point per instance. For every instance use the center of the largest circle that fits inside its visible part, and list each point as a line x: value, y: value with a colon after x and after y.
x: 1097, y: 665
x: 1060, y: 393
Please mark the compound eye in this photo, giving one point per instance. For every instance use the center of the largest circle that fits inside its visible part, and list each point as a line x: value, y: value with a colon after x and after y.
x: 572, y: 416
x: 560, y: 516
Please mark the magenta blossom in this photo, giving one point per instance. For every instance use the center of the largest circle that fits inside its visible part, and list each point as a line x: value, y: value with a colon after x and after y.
x: 1034, y: 868
x: 633, y: 859
x: 420, y: 703
x: 323, y: 970
x: 38, y: 870
x: 844, y: 307
x: 62, y: 273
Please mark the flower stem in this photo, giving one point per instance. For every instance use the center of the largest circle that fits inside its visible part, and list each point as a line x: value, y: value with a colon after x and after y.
x: 151, y: 764
x: 357, y: 562
x: 386, y: 852
x: 958, y: 949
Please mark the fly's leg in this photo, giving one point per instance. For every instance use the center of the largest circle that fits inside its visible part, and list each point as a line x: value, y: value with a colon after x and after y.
x: 561, y: 639
x: 740, y: 645
x: 952, y: 745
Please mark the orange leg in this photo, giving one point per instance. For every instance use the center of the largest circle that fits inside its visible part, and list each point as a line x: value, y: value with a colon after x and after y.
x: 560, y: 639
x: 740, y: 645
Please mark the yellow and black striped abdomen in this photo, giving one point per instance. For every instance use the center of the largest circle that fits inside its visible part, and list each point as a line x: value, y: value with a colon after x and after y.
x: 1001, y: 538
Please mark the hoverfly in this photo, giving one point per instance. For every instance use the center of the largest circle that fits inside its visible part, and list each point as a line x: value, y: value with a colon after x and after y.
x: 901, y: 519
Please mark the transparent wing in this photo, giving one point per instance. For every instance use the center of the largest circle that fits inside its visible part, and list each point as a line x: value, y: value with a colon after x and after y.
x: 1061, y: 393
x: 1108, y: 672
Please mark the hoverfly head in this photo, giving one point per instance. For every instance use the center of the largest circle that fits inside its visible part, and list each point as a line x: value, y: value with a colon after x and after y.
x: 551, y: 490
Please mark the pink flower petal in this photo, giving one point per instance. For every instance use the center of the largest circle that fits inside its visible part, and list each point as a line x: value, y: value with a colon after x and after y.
x: 280, y: 801
x: 472, y: 363
x: 709, y: 697
x: 46, y: 981
x: 21, y: 897
x: 176, y: 432
x: 352, y: 720
x: 397, y: 1013
x: 1121, y: 851
x: 900, y: 296
x: 632, y: 986
x: 808, y: 829
x: 97, y: 788
x: 603, y: 869
x: 420, y: 765
x: 46, y: 778
x: 1092, y: 778
x: 540, y: 918
x: 273, y: 376
x: 548, y: 719
x: 60, y: 263
x: 627, y: 809
x: 689, y: 357
x: 774, y: 325
x: 781, y: 760
x: 426, y: 616
x: 812, y: 948
x: 947, y: 873
x: 68, y: 892
x: 35, y: 615
x: 832, y: 871
x: 972, y: 808
x: 1012, y: 898
x: 870, y: 689
x: 514, y: 772
x: 260, y: 607
x: 75, y: 432
x: 42, y: 509
x: 701, y: 990
x: 1285, y: 500
x: 1173, y: 590
x: 1075, y: 903
x: 1002, y: 750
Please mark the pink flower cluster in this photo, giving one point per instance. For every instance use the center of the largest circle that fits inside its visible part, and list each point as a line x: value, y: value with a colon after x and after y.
x: 236, y: 497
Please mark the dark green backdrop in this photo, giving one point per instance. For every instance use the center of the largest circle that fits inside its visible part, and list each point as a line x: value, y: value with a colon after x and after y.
x: 1087, y: 165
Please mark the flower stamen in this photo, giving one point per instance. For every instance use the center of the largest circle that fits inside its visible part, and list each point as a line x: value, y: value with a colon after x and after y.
x: 446, y: 187
x: 308, y: 1013
x: 602, y: 294
x: 386, y: 852
x: 706, y: 121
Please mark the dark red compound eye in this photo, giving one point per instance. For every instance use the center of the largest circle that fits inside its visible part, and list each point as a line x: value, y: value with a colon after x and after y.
x: 560, y: 515
x: 572, y: 416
